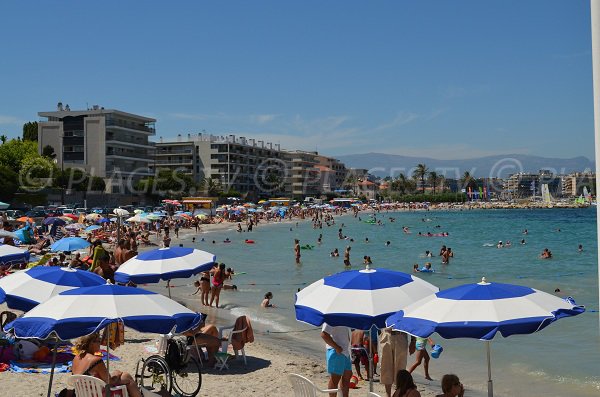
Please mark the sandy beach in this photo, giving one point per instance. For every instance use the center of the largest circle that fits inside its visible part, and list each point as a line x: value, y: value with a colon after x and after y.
x: 270, y: 359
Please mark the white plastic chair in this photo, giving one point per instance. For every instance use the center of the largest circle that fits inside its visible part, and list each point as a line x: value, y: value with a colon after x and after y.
x: 303, y: 387
x: 372, y: 394
x: 222, y: 357
x: 89, y: 386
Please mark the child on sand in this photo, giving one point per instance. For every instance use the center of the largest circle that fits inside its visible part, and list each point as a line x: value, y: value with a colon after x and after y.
x: 421, y: 348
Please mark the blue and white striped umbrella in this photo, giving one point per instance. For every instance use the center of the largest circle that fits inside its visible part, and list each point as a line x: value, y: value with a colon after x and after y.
x: 82, y: 311
x: 481, y: 311
x: 26, y: 289
x: 69, y: 244
x: 10, y: 254
x: 164, y: 264
x: 359, y: 298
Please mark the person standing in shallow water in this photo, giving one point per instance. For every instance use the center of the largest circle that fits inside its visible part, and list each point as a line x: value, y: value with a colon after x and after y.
x: 297, y: 250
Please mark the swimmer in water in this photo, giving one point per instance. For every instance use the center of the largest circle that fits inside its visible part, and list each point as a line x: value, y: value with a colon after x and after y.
x: 580, y: 248
x: 366, y: 239
x: 387, y: 243
x: 499, y: 245
x: 416, y: 268
x: 523, y: 242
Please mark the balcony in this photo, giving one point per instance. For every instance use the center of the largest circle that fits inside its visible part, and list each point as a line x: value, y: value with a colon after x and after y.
x: 170, y: 152
x: 130, y: 126
x: 174, y: 162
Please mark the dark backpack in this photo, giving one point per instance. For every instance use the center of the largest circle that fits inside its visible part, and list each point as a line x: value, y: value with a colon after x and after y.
x: 177, y: 355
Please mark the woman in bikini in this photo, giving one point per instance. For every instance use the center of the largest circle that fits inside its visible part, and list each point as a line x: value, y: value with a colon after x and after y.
x: 87, y: 363
x: 217, y: 284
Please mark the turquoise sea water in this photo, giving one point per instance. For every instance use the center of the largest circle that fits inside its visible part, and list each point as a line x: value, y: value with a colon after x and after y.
x: 563, y: 359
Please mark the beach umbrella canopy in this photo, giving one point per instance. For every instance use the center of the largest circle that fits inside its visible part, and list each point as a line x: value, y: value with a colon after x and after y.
x: 75, y: 226
x: 103, y: 220
x: 10, y: 254
x: 153, y: 217
x: 164, y: 264
x: 359, y: 298
x: 70, y: 216
x: 93, y: 217
x: 138, y: 218
x: 4, y: 205
x: 54, y: 221
x: 121, y: 212
x: 92, y: 228
x: 482, y: 311
x: 69, y: 244
x: 6, y: 233
x: 26, y: 219
x: 138, y: 211
x: 82, y: 311
x: 26, y: 289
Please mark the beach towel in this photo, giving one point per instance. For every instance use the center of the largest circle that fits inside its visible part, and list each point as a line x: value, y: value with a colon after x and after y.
x: 33, y: 367
x: 240, y: 339
x: 117, y: 335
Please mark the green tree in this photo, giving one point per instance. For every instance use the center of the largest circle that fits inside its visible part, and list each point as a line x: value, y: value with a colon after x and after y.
x: 72, y: 178
x: 97, y: 184
x: 419, y: 173
x: 13, y: 152
x: 467, y: 181
x: 30, y: 131
x: 48, y: 152
x: 35, y: 171
x: 9, y: 180
x: 433, y: 179
x: 3, y: 138
x: 211, y: 187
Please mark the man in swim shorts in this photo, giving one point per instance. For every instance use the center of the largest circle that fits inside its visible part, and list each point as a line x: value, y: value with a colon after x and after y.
x: 339, y: 366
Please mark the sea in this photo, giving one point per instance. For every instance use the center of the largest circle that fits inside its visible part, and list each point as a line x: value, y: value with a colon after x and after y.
x: 561, y: 360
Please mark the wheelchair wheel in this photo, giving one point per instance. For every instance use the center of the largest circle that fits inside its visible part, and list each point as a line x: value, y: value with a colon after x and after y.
x: 156, y: 375
x: 188, y: 380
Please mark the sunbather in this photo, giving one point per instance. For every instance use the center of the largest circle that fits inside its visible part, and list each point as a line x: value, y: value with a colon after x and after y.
x: 87, y: 363
x: 205, y: 335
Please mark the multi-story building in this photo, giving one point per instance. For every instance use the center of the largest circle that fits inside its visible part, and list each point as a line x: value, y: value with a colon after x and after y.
x: 523, y: 185
x: 234, y: 163
x: 303, y: 178
x: 573, y: 184
x: 107, y: 143
x: 333, y: 173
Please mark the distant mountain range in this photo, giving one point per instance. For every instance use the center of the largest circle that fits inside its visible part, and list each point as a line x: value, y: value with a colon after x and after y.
x: 489, y: 167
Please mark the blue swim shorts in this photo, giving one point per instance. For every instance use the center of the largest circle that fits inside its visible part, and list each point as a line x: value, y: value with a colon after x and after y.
x: 337, y: 363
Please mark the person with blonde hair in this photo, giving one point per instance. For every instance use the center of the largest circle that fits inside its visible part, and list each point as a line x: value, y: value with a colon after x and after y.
x: 86, y: 362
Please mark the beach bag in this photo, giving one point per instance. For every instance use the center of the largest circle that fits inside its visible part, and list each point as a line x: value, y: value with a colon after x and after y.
x: 177, y: 355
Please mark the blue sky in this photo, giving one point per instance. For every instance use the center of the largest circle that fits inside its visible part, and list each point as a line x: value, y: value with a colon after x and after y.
x: 442, y: 79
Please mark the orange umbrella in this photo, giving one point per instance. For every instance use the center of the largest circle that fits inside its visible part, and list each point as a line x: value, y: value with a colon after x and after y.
x: 25, y: 219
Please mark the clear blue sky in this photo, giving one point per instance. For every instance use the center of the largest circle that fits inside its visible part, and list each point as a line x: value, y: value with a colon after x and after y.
x: 443, y: 79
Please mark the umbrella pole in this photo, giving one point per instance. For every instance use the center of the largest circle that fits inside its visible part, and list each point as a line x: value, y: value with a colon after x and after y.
x: 371, y: 364
x: 108, y: 360
x: 52, y: 369
x: 169, y: 287
x: 489, y: 363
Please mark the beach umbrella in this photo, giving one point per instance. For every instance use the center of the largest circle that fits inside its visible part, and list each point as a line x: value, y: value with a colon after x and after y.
x: 92, y: 228
x: 3, y: 205
x: 482, y: 311
x: 69, y: 244
x: 7, y: 233
x: 54, y: 221
x: 10, y: 254
x: 72, y: 217
x: 138, y: 211
x: 82, y: 311
x: 164, y: 264
x: 75, y: 226
x: 93, y: 217
x: 26, y: 289
x: 26, y: 219
x: 138, y: 218
x: 121, y: 212
x: 359, y: 299
x: 153, y: 217
x: 103, y: 220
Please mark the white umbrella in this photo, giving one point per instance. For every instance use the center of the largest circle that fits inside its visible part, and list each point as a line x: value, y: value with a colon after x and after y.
x: 120, y: 212
x: 139, y: 219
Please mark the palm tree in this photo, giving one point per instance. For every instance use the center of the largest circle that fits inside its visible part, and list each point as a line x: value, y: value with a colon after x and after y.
x: 419, y: 173
x: 3, y: 138
x: 466, y: 180
x: 211, y: 186
x: 433, y: 179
